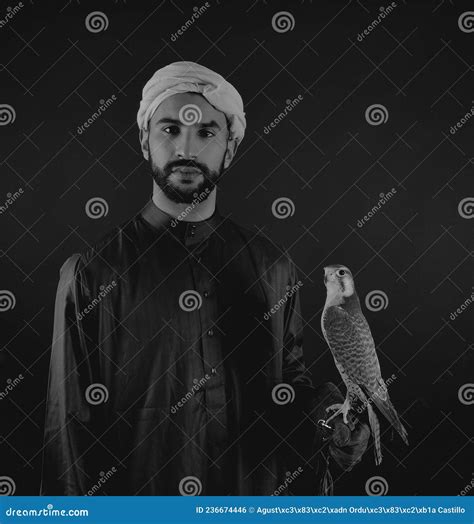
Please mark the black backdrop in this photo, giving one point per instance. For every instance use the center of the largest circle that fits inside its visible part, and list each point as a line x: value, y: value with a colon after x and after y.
x: 325, y: 155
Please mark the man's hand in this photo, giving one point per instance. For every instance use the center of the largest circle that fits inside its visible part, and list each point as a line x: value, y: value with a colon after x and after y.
x: 348, y: 442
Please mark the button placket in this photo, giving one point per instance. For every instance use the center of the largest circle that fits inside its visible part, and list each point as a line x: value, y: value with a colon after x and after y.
x: 210, y: 341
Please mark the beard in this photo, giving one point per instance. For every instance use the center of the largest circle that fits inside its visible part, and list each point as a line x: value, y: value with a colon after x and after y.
x: 183, y: 189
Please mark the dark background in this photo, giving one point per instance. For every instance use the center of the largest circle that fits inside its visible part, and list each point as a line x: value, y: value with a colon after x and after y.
x: 324, y: 156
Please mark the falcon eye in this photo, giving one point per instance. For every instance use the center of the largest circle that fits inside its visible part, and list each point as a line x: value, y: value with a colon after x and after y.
x: 340, y: 272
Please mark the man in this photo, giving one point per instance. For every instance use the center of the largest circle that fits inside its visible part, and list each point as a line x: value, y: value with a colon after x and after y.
x: 168, y: 376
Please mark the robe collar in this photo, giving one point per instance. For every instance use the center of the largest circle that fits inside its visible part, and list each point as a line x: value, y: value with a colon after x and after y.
x: 190, y: 233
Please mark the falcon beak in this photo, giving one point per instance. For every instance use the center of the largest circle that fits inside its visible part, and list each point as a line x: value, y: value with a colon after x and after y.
x: 325, y: 275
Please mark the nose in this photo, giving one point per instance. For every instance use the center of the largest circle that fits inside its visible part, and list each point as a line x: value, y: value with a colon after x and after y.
x: 185, y: 147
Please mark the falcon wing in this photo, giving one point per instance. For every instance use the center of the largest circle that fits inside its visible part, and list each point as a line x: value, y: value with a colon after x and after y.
x: 353, y: 348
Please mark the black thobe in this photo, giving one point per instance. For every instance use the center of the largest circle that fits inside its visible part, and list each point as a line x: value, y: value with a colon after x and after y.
x: 165, y: 358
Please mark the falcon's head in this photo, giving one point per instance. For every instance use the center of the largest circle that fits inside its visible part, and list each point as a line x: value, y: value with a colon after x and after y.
x: 339, y: 281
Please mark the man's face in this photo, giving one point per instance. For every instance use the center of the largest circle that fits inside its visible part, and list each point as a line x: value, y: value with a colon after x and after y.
x: 188, y: 148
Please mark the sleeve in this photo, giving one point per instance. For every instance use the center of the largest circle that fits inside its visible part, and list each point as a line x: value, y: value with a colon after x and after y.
x: 71, y: 430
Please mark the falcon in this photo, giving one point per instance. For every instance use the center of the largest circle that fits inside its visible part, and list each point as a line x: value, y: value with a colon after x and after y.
x: 349, y: 338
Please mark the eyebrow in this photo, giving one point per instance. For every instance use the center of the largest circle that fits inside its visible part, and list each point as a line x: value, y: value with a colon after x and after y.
x: 167, y: 120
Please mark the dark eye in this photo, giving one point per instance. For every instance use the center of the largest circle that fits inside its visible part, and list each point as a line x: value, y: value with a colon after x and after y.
x: 206, y: 134
x: 171, y: 130
x: 340, y: 272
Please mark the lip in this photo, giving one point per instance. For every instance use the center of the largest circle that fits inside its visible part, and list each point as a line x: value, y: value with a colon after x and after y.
x: 187, y: 170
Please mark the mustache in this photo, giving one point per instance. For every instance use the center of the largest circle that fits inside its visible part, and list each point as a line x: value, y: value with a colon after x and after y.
x: 186, y: 163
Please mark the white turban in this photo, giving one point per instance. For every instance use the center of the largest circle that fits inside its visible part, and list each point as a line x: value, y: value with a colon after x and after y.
x: 182, y: 77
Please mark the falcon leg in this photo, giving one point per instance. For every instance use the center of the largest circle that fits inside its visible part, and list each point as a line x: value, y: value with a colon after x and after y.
x: 340, y: 408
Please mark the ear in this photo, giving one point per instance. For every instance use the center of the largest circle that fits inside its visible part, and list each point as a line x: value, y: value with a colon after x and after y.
x: 230, y: 152
x: 144, y: 143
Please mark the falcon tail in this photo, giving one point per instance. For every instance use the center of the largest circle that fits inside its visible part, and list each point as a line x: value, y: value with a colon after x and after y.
x: 375, y: 428
x: 390, y: 413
